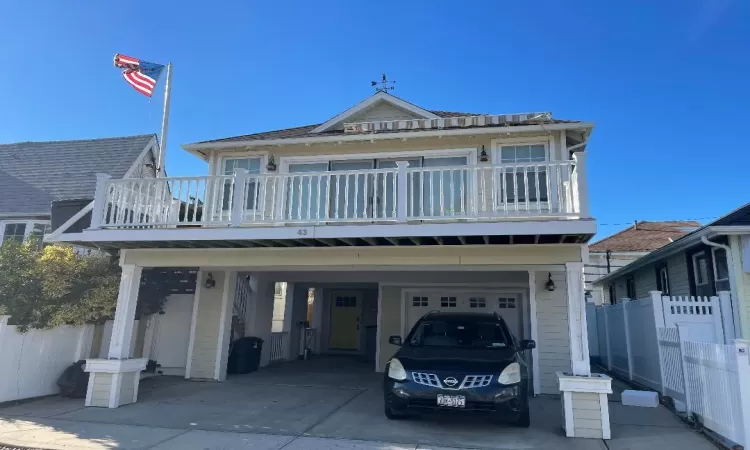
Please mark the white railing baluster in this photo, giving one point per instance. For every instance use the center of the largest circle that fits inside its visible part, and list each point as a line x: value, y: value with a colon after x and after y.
x: 526, y: 186
x: 366, y: 200
x: 336, y: 200
x: 515, y: 188
x: 346, y: 196
x: 356, y: 195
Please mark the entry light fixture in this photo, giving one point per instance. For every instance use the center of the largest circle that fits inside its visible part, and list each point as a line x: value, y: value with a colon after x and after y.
x: 271, y: 166
x: 483, y: 155
x: 549, y: 285
x: 210, y: 282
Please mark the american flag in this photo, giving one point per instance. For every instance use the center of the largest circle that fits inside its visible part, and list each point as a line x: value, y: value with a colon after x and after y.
x: 142, y: 75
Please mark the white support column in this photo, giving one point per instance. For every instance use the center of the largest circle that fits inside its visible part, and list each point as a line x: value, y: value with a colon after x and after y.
x: 626, y: 320
x: 536, y: 371
x: 583, y: 187
x: 402, y: 191
x: 742, y: 353
x: 127, y: 299
x: 228, y: 291
x: 579, y: 348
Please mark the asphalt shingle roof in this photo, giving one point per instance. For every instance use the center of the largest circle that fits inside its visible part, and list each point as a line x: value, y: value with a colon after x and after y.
x: 646, y: 237
x: 305, y: 131
x: 33, y: 174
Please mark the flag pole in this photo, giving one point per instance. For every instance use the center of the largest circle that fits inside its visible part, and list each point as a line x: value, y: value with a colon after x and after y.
x: 164, y: 123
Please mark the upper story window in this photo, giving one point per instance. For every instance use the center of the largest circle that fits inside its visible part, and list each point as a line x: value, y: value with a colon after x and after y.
x: 700, y: 268
x: 523, y: 181
x: 20, y: 231
x: 252, y: 165
x: 662, y: 280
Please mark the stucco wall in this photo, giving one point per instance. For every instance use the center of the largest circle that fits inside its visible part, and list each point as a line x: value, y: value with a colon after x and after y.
x: 553, y: 343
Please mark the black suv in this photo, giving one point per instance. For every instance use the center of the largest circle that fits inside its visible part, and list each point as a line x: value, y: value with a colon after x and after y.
x: 459, y: 362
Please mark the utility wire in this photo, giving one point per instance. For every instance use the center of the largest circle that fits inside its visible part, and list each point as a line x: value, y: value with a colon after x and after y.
x: 670, y: 220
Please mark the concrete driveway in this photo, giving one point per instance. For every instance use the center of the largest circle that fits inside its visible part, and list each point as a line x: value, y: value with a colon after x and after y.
x: 307, y: 405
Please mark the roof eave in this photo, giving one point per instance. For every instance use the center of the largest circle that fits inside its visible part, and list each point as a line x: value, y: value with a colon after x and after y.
x: 386, y: 136
x: 667, y: 250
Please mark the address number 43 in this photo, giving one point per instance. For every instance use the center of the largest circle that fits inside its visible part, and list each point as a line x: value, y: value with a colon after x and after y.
x: 302, y: 232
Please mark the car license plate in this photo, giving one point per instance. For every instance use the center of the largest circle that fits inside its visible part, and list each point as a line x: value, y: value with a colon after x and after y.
x: 452, y: 401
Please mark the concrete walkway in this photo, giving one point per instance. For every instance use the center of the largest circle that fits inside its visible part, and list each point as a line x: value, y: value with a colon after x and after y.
x: 309, y: 406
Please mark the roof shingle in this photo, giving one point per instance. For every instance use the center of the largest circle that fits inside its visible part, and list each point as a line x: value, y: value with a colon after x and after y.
x: 33, y: 174
x: 645, y: 236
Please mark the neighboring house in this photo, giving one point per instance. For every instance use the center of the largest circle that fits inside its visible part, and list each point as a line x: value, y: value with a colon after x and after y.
x: 387, y: 211
x: 713, y: 258
x: 626, y: 246
x: 35, y: 174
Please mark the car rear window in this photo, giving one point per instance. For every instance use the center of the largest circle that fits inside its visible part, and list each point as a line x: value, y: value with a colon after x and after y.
x: 460, y: 333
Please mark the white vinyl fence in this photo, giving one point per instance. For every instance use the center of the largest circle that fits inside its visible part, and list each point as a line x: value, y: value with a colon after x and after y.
x: 683, y: 347
x: 32, y: 361
x: 279, y: 346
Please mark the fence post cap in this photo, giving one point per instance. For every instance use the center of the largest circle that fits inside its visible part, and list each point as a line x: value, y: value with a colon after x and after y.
x: 4, y: 319
x: 737, y: 342
x: 103, y: 176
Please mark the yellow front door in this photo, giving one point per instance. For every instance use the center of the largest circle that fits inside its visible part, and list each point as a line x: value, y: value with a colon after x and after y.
x: 345, y: 318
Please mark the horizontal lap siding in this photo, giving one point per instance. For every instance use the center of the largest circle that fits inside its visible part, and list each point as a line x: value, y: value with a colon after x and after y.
x: 127, y: 387
x: 206, y: 340
x: 101, y: 389
x: 587, y: 416
x: 645, y: 282
x: 679, y: 281
x: 552, y: 323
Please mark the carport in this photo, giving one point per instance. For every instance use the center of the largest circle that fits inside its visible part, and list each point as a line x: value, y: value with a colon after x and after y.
x: 325, y: 402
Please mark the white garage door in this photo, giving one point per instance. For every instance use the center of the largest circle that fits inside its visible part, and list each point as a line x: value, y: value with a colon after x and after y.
x: 508, y: 305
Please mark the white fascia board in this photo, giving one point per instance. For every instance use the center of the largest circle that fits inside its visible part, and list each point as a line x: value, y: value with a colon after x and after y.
x: 570, y: 226
x: 731, y: 229
x: 387, y: 136
x: 392, y: 99
x: 664, y: 252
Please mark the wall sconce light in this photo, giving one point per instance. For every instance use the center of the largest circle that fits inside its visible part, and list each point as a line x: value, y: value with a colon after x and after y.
x: 271, y: 166
x: 549, y: 285
x: 483, y: 155
x: 210, y: 282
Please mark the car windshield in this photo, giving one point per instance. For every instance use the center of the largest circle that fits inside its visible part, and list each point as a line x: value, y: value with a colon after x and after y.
x: 460, y: 333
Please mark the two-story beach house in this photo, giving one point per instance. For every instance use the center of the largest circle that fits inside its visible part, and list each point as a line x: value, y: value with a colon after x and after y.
x: 373, y: 218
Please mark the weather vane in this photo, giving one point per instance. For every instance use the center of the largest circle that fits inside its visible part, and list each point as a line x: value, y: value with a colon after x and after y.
x: 384, y: 85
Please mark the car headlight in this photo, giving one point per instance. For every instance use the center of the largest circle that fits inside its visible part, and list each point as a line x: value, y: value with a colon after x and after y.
x: 511, y: 374
x: 396, y: 370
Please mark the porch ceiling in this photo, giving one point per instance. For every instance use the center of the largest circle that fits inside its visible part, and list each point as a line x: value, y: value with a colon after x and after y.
x: 400, y: 241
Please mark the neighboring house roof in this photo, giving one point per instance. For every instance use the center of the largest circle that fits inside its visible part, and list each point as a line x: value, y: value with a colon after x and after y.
x: 34, y: 174
x: 645, y: 236
x: 740, y: 218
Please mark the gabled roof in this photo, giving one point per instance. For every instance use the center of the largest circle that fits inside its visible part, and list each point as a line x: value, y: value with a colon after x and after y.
x: 33, y: 174
x: 737, y: 218
x: 645, y: 236
x: 379, y: 96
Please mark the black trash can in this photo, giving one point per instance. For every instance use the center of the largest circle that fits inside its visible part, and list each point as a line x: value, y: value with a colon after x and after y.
x: 245, y: 355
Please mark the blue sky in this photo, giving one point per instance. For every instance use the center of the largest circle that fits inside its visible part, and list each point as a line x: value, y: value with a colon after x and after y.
x: 667, y: 82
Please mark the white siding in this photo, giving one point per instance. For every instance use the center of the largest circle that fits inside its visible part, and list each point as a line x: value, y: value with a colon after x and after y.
x: 382, y: 111
x: 553, y: 343
x: 206, y: 338
x: 101, y: 389
x: 587, y: 415
x: 127, y: 387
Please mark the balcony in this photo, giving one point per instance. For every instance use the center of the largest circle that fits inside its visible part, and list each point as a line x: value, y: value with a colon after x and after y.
x: 402, y: 195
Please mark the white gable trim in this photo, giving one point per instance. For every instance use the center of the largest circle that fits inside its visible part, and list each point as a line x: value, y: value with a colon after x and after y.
x: 370, y: 101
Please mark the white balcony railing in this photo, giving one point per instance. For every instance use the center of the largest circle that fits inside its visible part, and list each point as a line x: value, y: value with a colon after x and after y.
x: 402, y: 194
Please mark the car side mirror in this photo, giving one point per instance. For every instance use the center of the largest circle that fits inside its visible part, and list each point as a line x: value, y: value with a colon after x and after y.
x: 395, y: 340
x: 528, y: 344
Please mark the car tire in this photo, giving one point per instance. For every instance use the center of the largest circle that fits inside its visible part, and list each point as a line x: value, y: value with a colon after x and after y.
x: 392, y: 415
x: 524, y: 420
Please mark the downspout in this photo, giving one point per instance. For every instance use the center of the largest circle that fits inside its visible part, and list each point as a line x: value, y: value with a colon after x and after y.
x: 732, y: 281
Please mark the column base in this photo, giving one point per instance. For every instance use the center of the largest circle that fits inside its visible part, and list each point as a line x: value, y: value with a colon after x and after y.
x: 113, y: 382
x: 584, y: 404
